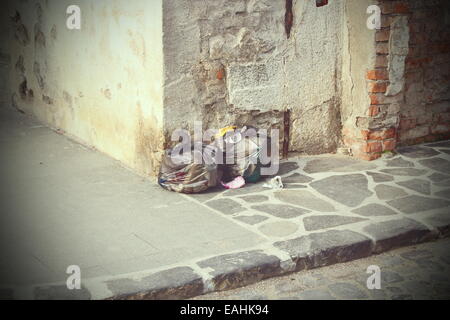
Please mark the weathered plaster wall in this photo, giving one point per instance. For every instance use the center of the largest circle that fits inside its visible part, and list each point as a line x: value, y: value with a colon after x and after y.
x: 231, y: 62
x: 5, y: 58
x: 359, y: 56
x: 101, y: 84
x: 313, y: 68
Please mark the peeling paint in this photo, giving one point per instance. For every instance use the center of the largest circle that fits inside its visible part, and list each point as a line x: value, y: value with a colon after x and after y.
x: 20, y: 31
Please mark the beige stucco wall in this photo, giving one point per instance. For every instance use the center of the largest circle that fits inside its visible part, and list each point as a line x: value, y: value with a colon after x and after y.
x: 101, y: 84
x: 358, y: 57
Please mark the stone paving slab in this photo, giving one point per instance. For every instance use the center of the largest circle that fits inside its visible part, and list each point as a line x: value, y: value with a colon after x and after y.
x: 67, y: 204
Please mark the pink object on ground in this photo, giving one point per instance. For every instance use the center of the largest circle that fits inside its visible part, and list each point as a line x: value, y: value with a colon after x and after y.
x: 235, y: 184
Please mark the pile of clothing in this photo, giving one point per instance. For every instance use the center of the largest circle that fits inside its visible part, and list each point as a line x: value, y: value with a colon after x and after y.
x: 231, y: 160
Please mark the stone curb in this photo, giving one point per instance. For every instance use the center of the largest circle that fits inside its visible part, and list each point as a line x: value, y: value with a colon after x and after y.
x: 176, y: 283
x: 236, y: 270
x: 240, y: 269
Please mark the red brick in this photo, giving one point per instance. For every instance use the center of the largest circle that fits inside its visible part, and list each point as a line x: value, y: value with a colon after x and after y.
x: 389, y: 145
x: 385, y: 21
x: 423, y: 139
x: 378, y: 74
x: 220, y: 74
x: 440, y: 128
x: 419, y: 140
x: 387, y: 8
x: 353, y: 135
x: 401, y: 7
x: 382, y: 48
x: 363, y: 134
x: 440, y: 48
x: 418, y: 16
x: 374, y: 99
x: 367, y: 156
x: 431, y: 26
x: 444, y: 118
x: 414, y: 77
x: 374, y: 146
x: 382, y: 134
x: 375, y: 87
x: 381, y: 99
x: 371, y: 156
x: 416, y: 132
x: 390, y: 133
x: 432, y: 138
x: 373, y: 111
x: 417, y: 62
x: 415, y: 27
x: 425, y: 118
x: 406, y: 124
x: 442, y: 58
x: 418, y: 39
x: 381, y: 62
x: 414, y: 52
x: 382, y: 35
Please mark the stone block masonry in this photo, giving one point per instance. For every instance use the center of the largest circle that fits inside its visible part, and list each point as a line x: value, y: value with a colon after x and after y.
x: 250, y: 62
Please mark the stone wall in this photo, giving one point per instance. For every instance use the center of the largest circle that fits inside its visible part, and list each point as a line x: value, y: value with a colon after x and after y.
x: 233, y: 62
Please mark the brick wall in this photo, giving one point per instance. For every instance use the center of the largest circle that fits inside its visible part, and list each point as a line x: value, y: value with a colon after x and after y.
x: 425, y: 113
x: 408, y: 80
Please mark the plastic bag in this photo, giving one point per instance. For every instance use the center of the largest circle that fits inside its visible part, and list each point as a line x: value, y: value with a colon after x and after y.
x: 241, y: 152
x: 180, y: 173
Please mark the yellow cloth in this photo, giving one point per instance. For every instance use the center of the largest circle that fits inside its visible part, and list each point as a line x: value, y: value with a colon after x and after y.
x: 223, y: 131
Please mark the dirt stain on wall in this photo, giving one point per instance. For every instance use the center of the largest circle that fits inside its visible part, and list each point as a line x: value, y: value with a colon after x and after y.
x: 38, y: 75
x: 19, y: 29
x: 54, y: 32
x: 106, y: 93
x: 149, y: 144
x: 137, y: 45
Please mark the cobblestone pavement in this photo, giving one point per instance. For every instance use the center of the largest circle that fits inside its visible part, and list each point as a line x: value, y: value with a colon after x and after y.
x: 417, y: 272
x: 406, y: 190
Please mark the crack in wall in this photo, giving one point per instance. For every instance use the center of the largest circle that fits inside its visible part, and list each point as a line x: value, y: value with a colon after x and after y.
x: 288, y: 18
